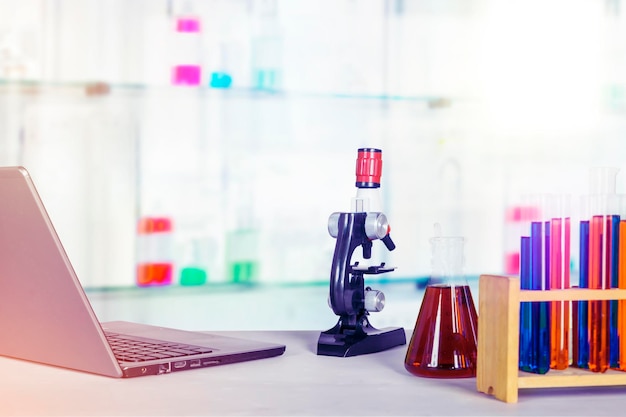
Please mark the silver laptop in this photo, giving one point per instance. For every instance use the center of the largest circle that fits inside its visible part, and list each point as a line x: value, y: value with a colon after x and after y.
x: 46, y: 317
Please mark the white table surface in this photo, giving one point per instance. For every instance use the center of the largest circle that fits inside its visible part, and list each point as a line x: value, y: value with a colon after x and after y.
x: 297, y: 383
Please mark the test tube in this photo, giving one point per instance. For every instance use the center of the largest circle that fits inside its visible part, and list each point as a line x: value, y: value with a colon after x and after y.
x: 580, y: 309
x: 621, y: 283
x: 598, y: 310
x: 541, y: 312
x: 534, y: 320
x: 558, y: 276
x: 526, y: 311
x: 612, y: 242
x: 600, y: 203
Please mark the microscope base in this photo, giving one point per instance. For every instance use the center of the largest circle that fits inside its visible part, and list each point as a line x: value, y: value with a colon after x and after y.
x: 366, y: 340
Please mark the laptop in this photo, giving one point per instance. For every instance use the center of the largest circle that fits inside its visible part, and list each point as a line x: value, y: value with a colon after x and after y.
x: 46, y: 317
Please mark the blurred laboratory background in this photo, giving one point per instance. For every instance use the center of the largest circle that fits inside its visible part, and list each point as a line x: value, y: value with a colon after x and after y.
x: 190, y: 152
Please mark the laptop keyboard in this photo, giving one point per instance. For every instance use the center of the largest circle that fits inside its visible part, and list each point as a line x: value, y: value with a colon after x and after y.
x: 138, y: 349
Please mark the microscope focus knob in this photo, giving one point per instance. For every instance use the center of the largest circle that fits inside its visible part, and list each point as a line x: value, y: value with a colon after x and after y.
x: 376, y: 225
x: 374, y: 300
x: 333, y: 224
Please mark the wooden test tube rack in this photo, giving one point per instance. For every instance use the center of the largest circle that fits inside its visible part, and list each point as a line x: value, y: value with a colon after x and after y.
x: 497, y: 365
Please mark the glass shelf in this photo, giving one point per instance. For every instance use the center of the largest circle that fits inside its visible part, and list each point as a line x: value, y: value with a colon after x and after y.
x: 101, y: 88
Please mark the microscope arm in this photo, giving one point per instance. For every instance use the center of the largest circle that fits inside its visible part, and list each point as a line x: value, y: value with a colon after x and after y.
x: 353, y: 334
x: 349, y: 238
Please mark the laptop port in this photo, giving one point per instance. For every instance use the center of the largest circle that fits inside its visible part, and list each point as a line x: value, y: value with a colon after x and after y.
x: 194, y: 363
x: 180, y: 364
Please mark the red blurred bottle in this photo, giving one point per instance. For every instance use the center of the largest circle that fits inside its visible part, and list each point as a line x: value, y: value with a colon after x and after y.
x: 154, y: 264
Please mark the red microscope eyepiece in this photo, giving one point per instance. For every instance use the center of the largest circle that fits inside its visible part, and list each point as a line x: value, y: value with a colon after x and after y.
x: 369, y: 167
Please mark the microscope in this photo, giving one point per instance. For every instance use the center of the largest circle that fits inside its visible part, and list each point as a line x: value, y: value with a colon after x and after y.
x: 349, y: 298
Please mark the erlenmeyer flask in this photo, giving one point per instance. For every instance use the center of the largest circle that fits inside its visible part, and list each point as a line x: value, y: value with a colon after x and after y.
x: 443, y: 344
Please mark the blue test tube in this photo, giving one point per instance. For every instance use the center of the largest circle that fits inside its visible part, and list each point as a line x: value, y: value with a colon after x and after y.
x: 526, y: 312
x: 538, y: 357
x: 580, y: 356
x: 613, y: 258
x: 542, y: 339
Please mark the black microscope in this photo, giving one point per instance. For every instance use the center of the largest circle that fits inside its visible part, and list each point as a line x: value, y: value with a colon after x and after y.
x: 349, y: 298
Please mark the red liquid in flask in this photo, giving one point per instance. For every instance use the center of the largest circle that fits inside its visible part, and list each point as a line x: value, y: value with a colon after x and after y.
x: 444, y: 339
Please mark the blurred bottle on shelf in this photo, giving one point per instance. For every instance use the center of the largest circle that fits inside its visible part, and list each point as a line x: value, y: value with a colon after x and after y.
x: 194, y: 262
x: 220, y: 79
x: 266, y: 54
x: 187, y: 70
x: 154, y: 251
x: 242, y: 255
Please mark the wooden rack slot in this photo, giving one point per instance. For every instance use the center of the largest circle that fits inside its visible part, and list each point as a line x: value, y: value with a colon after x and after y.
x: 497, y: 370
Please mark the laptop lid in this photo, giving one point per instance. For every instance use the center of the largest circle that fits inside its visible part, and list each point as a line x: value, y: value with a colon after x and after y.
x: 45, y: 315
x: 44, y: 312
